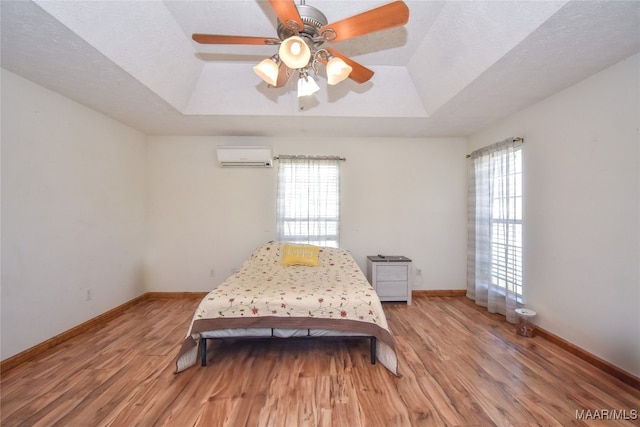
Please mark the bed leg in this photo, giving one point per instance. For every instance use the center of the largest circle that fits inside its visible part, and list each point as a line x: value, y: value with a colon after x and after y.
x: 373, y: 350
x: 203, y: 352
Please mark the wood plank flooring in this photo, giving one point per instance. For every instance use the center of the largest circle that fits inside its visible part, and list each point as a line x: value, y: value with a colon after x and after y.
x: 461, y: 367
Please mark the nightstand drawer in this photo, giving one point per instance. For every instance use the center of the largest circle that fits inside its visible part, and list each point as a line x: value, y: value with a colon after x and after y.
x: 391, y: 289
x: 390, y: 272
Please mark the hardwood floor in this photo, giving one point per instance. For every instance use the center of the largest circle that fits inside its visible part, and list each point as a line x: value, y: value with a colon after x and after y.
x: 460, y: 366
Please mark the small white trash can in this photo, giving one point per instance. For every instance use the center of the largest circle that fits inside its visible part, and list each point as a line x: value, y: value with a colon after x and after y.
x: 524, y: 327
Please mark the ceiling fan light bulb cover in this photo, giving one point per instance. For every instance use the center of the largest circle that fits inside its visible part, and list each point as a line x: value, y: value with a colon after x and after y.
x: 307, y: 86
x: 337, y: 71
x: 267, y: 70
x: 295, y: 52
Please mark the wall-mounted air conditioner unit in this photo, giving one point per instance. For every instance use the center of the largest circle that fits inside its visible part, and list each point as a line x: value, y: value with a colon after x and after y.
x: 245, y: 156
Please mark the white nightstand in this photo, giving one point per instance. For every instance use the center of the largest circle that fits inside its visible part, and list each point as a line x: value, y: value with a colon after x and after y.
x: 390, y: 276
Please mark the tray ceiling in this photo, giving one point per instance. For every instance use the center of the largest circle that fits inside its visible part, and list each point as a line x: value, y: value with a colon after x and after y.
x: 456, y: 67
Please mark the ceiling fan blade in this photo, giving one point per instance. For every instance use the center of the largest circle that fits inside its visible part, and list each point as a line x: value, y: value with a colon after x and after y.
x: 387, y: 16
x: 287, y: 11
x: 360, y: 73
x: 222, y: 39
x: 283, y: 75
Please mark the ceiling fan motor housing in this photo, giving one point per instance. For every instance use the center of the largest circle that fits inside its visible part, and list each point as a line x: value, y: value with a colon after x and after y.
x: 312, y: 19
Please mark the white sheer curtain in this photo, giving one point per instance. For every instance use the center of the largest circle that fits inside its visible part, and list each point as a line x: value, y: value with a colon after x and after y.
x: 494, y: 254
x: 308, y: 209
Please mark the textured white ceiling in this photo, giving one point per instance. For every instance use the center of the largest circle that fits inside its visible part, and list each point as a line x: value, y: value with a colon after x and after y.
x: 456, y: 67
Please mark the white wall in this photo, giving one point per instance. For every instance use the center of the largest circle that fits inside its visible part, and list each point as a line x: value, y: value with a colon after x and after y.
x: 73, y: 214
x: 399, y: 196
x: 582, y: 215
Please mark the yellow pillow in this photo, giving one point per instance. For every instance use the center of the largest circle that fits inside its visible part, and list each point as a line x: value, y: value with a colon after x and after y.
x: 300, y: 255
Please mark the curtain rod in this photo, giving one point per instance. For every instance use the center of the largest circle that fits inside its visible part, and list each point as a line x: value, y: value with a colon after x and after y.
x: 515, y: 139
x: 289, y: 156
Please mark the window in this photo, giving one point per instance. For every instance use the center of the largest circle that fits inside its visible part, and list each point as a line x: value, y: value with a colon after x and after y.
x: 506, y: 222
x: 308, y: 207
x: 495, y: 251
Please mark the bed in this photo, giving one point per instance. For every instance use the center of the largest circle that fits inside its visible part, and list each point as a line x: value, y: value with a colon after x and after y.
x: 284, y: 290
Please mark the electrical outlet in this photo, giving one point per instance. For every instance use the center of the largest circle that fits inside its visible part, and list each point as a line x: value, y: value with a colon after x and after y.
x: 212, y: 273
x: 87, y: 296
x: 418, y: 272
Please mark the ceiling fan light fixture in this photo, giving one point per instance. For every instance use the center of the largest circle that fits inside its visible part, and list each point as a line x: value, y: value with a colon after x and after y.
x: 295, y: 52
x: 267, y: 70
x: 306, y: 85
x: 337, y: 70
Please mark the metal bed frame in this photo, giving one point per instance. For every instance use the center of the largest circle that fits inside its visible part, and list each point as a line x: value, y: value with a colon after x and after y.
x: 203, y: 342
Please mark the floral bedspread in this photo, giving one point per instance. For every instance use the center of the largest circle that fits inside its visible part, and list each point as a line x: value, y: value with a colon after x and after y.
x: 265, y: 294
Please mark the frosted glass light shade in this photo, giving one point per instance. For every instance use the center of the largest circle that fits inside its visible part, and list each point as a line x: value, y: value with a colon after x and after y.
x: 294, y: 52
x: 337, y: 70
x: 267, y: 70
x: 307, y: 86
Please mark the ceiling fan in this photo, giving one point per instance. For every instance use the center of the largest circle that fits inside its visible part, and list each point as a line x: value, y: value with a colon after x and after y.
x: 302, y: 32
